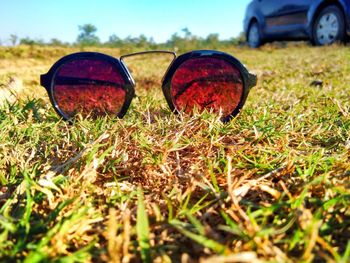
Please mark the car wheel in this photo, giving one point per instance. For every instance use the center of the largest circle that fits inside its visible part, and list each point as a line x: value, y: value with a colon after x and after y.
x: 329, y: 26
x: 254, y: 38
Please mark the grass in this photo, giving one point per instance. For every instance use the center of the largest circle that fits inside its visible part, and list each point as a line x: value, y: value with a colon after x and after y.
x: 270, y: 186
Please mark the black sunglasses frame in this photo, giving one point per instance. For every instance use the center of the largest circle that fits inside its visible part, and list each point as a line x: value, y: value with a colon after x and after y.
x: 249, y: 80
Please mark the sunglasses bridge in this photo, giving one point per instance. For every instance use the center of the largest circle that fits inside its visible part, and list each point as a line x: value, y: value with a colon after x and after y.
x: 149, y: 52
x: 146, y: 53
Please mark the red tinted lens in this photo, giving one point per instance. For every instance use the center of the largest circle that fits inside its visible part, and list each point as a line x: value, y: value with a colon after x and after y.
x: 89, y: 87
x: 207, y: 83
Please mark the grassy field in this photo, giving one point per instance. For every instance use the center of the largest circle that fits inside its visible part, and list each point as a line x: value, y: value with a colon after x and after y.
x: 270, y: 186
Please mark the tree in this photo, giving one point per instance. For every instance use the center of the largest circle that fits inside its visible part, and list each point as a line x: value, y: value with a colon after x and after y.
x: 13, y: 39
x: 143, y: 42
x: 57, y: 42
x: 87, y: 35
x: 187, y: 33
x: 175, y: 41
x: 114, y: 41
x: 212, y: 40
x: 241, y: 39
x: 31, y: 42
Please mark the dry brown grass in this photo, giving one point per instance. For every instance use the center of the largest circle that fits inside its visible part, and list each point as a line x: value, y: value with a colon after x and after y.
x: 271, y: 185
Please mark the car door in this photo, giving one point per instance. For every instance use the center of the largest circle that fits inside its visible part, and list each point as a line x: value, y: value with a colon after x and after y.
x: 285, y: 17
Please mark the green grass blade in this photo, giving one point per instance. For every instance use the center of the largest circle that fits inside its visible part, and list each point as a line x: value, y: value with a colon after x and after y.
x: 200, y: 239
x: 346, y: 256
x: 142, y: 228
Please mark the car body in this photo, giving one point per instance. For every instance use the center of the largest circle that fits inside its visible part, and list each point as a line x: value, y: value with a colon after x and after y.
x: 269, y: 20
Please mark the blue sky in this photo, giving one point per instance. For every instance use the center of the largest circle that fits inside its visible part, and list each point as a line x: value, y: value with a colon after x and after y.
x: 47, y: 19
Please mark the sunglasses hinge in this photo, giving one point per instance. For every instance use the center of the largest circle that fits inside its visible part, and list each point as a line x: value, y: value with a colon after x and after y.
x: 44, y: 81
x: 252, y: 80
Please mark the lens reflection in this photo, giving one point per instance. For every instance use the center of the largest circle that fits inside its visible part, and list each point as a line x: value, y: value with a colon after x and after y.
x: 207, y: 83
x: 89, y: 87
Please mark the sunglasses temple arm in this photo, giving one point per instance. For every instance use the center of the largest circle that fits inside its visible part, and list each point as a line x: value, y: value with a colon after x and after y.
x: 252, y: 80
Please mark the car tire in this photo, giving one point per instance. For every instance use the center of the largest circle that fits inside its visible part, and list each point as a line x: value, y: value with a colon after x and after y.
x: 328, y: 27
x: 253, y: 35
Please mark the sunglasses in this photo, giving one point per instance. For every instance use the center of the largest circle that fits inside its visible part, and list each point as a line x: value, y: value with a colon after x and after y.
x: 93, y: 84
